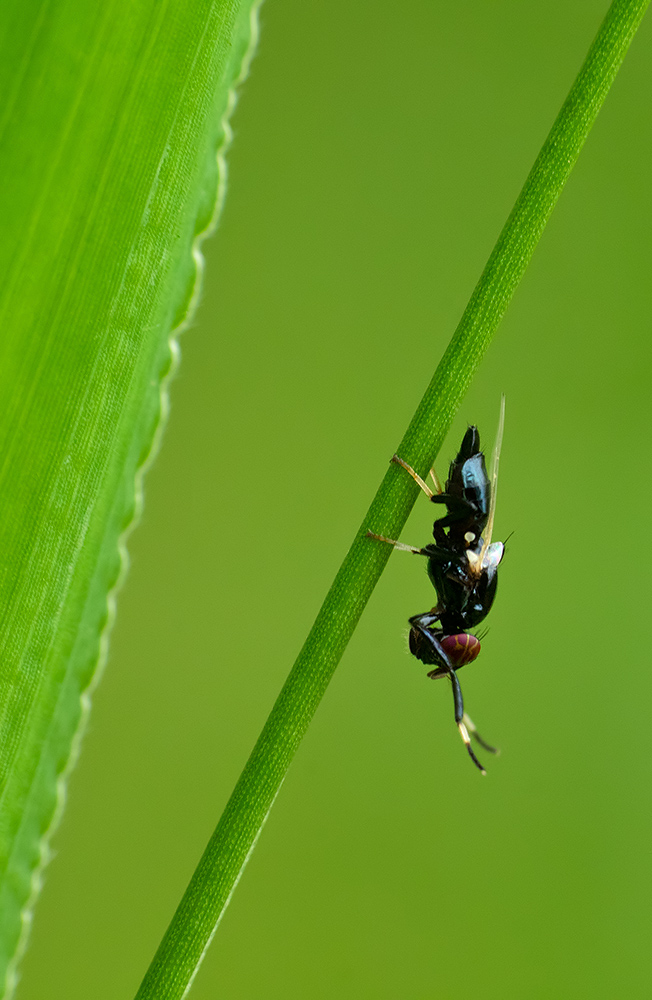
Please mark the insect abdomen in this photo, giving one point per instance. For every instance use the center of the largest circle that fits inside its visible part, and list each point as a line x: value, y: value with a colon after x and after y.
x: 461, y: 649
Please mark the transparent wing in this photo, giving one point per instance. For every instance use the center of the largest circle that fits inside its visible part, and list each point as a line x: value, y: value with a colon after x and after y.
x: 484, y: 552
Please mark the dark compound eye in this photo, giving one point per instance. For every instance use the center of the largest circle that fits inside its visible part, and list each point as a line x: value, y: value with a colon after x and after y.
x: 461, y: 649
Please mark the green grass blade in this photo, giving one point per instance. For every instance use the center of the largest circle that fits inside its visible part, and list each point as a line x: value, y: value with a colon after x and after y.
x: 217, y: 874
x: 109, y: 131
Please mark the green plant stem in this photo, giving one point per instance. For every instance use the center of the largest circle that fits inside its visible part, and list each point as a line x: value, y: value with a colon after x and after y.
x: 222, y: 863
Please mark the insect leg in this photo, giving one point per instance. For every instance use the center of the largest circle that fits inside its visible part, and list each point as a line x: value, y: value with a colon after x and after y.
x: 435, y: 478
x: 424, y: 621
x: 417, y: 478
x: 415, y: 475
x: 457, y: 510
x: 441, y: 657
x: 397, y: 545
x: 460, y: 717
x: 468, y: 722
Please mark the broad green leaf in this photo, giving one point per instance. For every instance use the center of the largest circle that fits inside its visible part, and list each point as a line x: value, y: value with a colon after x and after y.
x: 112, y: 118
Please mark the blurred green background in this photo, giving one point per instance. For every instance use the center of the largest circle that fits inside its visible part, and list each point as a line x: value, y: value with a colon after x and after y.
x: 378, y: 149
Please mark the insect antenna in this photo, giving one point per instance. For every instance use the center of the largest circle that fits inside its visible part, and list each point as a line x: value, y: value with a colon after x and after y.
x: 510, y: 535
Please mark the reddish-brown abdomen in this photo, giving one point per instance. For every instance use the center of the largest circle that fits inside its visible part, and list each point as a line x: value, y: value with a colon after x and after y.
x: 461, y: 649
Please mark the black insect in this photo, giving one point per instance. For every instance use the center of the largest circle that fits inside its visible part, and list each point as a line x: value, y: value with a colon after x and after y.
x: 462, y: 566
